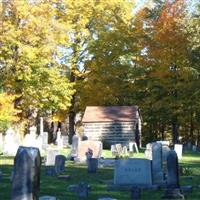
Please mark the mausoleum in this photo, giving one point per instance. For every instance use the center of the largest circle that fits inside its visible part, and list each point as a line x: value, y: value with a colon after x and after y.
x: 112, y: 124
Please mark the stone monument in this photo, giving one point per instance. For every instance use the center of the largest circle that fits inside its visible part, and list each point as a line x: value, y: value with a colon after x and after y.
x: 26, y: 176
x: 173, y: 187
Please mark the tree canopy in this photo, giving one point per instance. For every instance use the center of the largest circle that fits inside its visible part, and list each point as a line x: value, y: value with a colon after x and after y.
x: 63, y: 55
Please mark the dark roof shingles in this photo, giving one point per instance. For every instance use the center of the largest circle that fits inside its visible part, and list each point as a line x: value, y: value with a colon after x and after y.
x: 110, y: 113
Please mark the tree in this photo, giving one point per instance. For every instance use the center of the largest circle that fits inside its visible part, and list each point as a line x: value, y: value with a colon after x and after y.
x: 8, y: 113
x: 30, y: 39
x: 166, y: 59
x: 92, y: 26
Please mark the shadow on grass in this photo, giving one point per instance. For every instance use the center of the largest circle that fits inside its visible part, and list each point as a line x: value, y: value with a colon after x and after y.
x: 55, y: 187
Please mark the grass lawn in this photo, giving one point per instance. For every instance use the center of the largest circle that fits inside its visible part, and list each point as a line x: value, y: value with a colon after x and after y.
x: 55, y: 187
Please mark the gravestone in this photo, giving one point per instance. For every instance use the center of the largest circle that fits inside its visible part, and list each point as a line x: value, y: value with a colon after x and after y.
x: 173, y: 187
x: 148, y: 151
x: 50, y: 162
x: 47, y: 198
x: 133, y: 171
x: 64, y: 177
x: 92, y: 165
x: 39, y: 143
x: 44, y: 140
x: 64, y: 141
x: 30, y: 138
x: 33, y: 131
x: 119, y: 148
x: 75, y: 142
x: 178, y: 148
x: 10, y: 145
x: 60, y: 164
x: 113, y: 150
x: 157, y: 173
x: 165, y: 151
x: 133, y: 147
x: 172, y: 169
x: 26, y: 177
x: 194, y: 148
x: 124, y: 151
x: 83, y: 146
x: 59, y: 141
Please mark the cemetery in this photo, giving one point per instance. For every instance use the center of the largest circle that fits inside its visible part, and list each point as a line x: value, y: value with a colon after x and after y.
x: 84, y: 170
x: 99, y: 99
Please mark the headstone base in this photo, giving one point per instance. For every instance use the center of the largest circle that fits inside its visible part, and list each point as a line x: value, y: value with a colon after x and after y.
x: 114, y: 187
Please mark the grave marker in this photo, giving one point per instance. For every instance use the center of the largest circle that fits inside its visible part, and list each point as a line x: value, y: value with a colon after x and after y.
x: 60, y: 164
x: 26, y: 177
x: 158, y: 176
x: 173, y: 187
x: 50, y: 162
x: 178, y: 148
x: 133, y: 171
x: 95, y: 146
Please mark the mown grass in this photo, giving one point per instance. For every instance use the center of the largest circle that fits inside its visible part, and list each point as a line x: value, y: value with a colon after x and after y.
x: 78, y: 172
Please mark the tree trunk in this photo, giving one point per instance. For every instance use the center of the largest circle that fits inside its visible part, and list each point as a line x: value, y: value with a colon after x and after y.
x: 192, y: 129
x: 71, y: 126
x: 175, y: 133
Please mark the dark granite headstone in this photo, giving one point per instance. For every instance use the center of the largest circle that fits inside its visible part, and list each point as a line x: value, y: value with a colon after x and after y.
x: 173, y: 187
x: 172, y: 170
x: 92, y: 165
x: 26, y: 177
x: 60, y: 164
x: 157, y: 173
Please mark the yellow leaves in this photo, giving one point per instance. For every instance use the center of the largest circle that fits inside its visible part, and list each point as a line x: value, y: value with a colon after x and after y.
x: 7, y: 111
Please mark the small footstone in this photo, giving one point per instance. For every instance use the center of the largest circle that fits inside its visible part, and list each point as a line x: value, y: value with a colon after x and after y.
x: 106, y: 198
x: 72, y: 188
x: 64, y: 177
x: 47, y: 198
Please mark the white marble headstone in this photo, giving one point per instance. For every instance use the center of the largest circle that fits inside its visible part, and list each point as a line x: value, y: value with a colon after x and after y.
x: 10, y: 145
x: 178, y: 149
x: 51, y: 156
